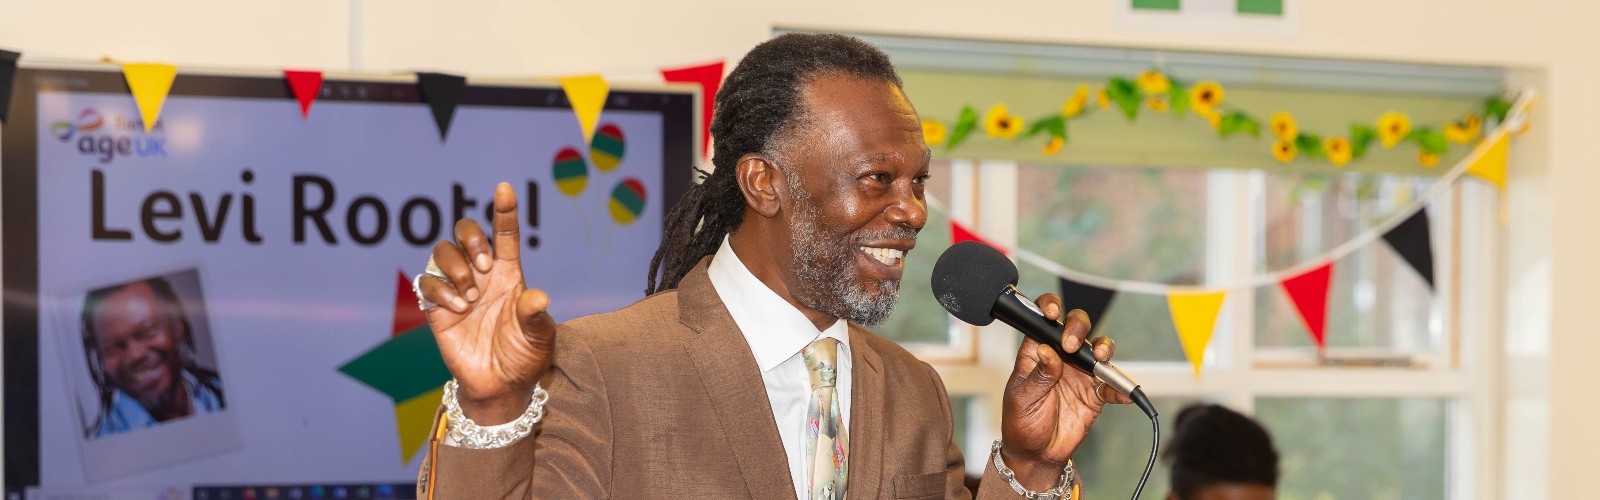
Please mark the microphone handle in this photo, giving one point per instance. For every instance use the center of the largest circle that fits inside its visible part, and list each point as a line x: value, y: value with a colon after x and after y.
x: 1015, y: 309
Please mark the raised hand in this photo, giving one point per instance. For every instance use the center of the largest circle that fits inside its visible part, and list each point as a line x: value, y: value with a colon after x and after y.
x: 1049, y: 405
x: 493, y: 331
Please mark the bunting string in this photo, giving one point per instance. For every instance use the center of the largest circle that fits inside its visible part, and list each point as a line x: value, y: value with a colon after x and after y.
x: 1514, y: 121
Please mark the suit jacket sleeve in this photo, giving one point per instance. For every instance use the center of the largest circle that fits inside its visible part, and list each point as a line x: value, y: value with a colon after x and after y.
x: 569, y: 454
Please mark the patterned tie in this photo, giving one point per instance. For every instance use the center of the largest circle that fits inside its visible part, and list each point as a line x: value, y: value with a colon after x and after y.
x: 825, y: 471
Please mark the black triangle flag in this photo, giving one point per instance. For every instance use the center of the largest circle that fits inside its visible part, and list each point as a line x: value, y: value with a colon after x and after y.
x: 8, y: 73
x: 1411, y: 240
x: 1092, y: 299
x: 442, y: 92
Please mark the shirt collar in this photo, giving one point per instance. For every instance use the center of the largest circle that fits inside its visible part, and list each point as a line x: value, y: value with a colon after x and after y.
x: 775, y: 330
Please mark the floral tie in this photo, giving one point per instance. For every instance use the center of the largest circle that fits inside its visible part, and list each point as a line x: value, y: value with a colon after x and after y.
x: 826, y: 470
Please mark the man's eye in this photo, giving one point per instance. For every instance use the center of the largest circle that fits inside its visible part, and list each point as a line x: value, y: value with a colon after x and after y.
x: 880, y: 177
x: 921, y: 179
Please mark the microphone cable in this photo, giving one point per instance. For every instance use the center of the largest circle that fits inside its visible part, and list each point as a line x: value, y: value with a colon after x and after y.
x: 1155, y: 440
x: 1139, y: 399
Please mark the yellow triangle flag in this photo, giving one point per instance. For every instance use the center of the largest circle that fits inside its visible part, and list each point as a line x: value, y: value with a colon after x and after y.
x: 413, y: 417
x: 1195, y: 316
x: 150, y: 84
x: 1491, y: 164
x: 588, y: 96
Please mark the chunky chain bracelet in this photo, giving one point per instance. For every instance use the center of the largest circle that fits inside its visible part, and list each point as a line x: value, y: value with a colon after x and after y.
x: 468, y: 434
x: 1062, y: 491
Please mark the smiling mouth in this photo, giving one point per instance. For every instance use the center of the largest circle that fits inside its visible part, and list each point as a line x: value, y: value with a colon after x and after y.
x: 147, y: 377
x: 887, y: 256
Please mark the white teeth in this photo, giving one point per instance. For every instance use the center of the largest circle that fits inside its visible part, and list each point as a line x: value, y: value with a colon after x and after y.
x: 888, y: 256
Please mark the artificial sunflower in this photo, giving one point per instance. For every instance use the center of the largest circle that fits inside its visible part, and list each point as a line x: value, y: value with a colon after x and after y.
x: 1284, y: 150
x: 1392, y: 128
x: 1338, y: 150
x: 1054, y: 146
x: 1205, y: 96
x: 1075, y: 104
x: 1427, y: 159
x: 1283, y: 126
x: 1001, y: 123
x: 1102, y: 100
x: 1153, y: 83
x: 1464, y: 130
x: 933, y: 132
x: 1156, y: 104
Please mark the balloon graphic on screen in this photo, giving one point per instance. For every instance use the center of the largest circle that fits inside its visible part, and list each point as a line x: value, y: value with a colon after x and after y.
x: 570, y: 172
x: 627, y: 201
x: 607, y: 147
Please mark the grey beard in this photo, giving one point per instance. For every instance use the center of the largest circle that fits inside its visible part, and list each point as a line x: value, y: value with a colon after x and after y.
x: 826, y: 272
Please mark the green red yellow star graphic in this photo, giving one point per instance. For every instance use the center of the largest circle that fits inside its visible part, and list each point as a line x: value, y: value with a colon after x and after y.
x: 407, y: 368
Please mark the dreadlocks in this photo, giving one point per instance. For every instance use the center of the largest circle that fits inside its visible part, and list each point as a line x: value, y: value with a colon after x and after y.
x: 760, y: 99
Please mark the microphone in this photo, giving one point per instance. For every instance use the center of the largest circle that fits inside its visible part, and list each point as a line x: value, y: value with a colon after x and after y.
x: 978, y: 285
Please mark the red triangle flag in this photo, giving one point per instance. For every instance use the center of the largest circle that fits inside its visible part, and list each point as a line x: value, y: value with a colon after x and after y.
x: 959, y: 233
x: 1309, y: 292
x: 709, y: 77
x: 305, y: 85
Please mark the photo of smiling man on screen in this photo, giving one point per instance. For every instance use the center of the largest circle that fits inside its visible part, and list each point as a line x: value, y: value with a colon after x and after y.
x: 140, y: 347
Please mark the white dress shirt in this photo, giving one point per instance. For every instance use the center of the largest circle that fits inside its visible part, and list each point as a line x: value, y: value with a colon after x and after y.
x: 777, y: 332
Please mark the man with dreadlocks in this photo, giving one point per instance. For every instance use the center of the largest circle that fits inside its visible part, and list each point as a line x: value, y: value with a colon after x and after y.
x: 743, y: 373
x: 139, y: 345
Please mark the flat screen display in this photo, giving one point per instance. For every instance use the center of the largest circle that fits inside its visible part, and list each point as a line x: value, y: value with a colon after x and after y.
x: 220, y: 306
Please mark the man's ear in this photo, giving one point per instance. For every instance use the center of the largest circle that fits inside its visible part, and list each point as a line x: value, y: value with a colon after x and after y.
x: 759, y: 180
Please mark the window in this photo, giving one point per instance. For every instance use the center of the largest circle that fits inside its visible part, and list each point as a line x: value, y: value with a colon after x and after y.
x: 1389, y: 405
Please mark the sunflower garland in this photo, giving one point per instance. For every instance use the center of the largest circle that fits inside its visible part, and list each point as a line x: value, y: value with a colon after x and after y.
x: 1161, y: 93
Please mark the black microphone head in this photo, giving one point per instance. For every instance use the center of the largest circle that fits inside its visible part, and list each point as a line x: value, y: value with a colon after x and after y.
x: 968, y: 280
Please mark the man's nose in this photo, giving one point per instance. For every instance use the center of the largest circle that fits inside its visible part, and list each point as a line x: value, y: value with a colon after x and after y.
x: 909, y: 211
x: 138, y: 352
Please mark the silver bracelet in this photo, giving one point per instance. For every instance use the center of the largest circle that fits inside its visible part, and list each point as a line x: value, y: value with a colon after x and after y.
x: 1063, y: 489
x: 469, y: 434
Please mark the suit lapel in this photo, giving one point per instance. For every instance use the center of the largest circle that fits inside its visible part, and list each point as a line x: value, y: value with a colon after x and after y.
x: 866, y: 418
x: 733, y: 384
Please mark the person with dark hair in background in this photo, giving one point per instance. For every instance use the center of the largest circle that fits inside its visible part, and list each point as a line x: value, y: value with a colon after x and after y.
x: 744, y: 373
x: 140, y: 348
x: 1218, y: 454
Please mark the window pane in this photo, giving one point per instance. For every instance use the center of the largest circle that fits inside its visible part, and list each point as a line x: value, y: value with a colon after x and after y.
x: 961, y: 418
x: 1118, y: 222
x: 1358, y: 448
x: 918, y: 318
x: 1376, y: 299
x: 1112, y: 457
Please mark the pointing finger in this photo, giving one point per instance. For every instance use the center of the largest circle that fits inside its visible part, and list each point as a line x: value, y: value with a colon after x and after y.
x: 507, y: 231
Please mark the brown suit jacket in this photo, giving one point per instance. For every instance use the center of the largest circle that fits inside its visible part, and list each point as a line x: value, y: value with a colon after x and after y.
x: 663, y: 399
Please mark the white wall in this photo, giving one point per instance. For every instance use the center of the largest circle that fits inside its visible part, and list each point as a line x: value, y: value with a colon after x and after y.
x: 1553, y: 245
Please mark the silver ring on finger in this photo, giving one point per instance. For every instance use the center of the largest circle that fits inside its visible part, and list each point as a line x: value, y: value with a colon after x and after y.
x: 433, y: 270
x: 416, y: 287
x: 430, y: 271
x: 1100, y: 384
